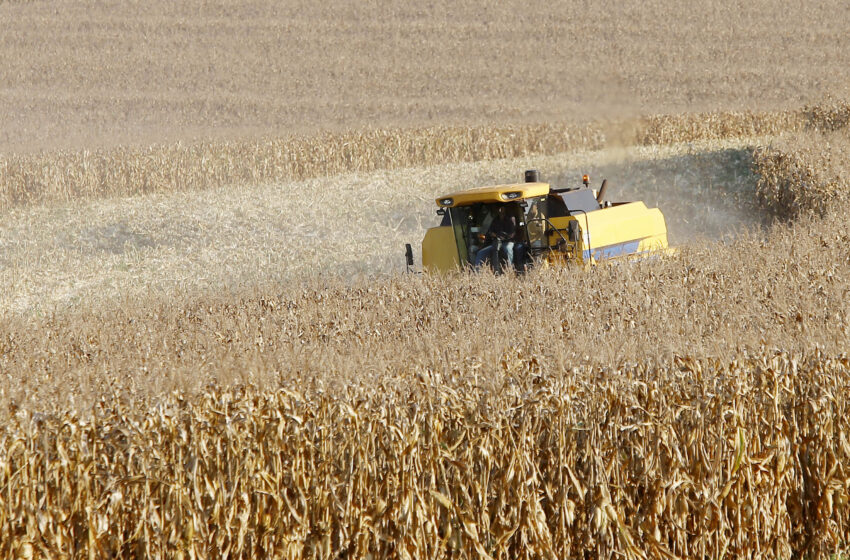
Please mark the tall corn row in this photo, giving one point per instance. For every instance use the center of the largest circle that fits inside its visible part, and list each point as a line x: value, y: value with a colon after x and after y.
x: 125, y: 171
x: 803, y: 176
x: 697, y: 460
x: 805, y: 173
x: 692, y: 127
x: 122, y: 171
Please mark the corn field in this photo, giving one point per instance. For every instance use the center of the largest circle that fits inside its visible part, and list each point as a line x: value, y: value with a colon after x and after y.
x: 206, y: 352
x: 64, y: 176
x: 692, y: 407
x: 699, y: 459
x: 472, y: 416
x: 804, y: 174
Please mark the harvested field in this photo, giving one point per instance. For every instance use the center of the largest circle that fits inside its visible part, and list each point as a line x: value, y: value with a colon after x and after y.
x: 97, y: 74
x: 786, y: 291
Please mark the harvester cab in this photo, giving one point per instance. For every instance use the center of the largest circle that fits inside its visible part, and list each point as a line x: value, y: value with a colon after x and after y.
x: 554, y: 226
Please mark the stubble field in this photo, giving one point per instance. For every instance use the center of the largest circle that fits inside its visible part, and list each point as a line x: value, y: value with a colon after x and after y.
x: 100, y: 73
x: 208, y: 347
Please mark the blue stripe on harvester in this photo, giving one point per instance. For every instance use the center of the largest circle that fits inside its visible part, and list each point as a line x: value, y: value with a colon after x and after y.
x: 626, y: 248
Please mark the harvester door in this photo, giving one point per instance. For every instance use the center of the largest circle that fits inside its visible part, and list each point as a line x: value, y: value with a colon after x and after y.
x: 535, y: 223
x: 460, y: 224
x: 439, y: 251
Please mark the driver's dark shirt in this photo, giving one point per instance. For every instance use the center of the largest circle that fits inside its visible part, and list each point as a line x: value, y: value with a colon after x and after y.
x: 503, y: 228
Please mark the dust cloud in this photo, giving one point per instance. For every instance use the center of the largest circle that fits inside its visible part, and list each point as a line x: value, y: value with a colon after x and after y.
x: 703, y: 195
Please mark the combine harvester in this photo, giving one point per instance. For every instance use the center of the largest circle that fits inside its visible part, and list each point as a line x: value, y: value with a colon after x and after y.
x: 532, y: 223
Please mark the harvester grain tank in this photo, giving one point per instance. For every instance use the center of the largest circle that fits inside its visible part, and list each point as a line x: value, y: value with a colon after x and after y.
x: 554, y: 226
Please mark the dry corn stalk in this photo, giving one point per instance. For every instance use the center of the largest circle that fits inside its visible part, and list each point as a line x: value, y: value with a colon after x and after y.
x: 700, y: 459
x: 124, y: 171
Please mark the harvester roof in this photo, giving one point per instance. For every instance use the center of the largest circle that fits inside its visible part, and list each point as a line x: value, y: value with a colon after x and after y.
x: 496, y: 193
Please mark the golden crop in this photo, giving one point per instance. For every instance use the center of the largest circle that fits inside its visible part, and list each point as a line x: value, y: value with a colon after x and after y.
x: 692, y: 406
x: 202, y: 358
x: 67, y: 176
x: 63, y: 176
x: 699, y: 458
x: 139, y: 75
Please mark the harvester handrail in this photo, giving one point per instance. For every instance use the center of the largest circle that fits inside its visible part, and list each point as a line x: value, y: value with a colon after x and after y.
x: 552, y: 228
x: 587, y: 234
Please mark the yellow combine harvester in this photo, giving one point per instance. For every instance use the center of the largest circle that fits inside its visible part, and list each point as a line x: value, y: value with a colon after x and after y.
x: 531, y: 222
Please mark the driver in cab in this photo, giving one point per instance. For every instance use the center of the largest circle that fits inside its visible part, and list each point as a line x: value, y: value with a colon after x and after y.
x: 500, y: 237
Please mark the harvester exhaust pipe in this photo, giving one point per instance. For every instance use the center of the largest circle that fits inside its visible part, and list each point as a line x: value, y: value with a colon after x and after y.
x: 602, y: 190
x: 532, y: 176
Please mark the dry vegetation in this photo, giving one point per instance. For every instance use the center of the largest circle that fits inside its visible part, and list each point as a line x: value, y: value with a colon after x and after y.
x: 204, y: 351
x: 99, y: 73
x: 694, y: 406
x: 804, y: 174
x: 73, y: 176
x: 691, y: 406
x: 72, y: 254
x: 698, y: 459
